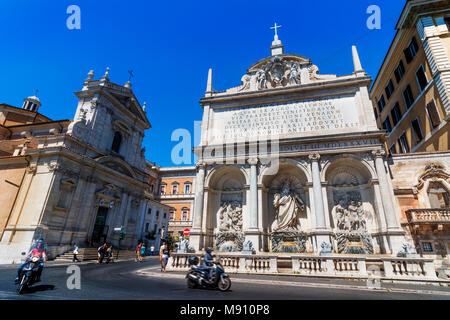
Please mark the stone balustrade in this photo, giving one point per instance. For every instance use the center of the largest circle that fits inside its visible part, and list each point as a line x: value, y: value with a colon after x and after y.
x: 409, y: 268
x: 312, y: 265
x: 428, y: 215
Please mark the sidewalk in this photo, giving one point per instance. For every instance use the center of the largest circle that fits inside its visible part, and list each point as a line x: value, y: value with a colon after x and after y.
x: 64, y: 263
x: 313, y: 282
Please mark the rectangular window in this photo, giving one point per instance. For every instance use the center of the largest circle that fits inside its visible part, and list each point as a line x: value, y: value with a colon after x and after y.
x: 411, y: 51
x: 392, y: 149
x: 403, y: 143
x: 187, y: 188
x: 408, y: 97
x: 421, y: 78
x: 418, y: 132
x: 399, y: 71
x: 381, y: 104
x: 396, y: 114
x: 157, y: 214
x: 174, y: 189
x: 433, y: 115
x: 163, y: 189
x: 447, y: 22
x: 427, y: 247
x: 387, y: 125
x: 389, y: 89
x: 171, y: 215
x: 146, y: 227
x: 185, y: 216
x: 164, y: 215
x: 149, y: 211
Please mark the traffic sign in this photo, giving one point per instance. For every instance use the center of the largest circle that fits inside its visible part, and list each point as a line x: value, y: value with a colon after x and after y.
x: 186, y: 232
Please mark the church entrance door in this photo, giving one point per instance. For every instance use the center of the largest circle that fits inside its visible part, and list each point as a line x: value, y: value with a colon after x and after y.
x: 99, y: 232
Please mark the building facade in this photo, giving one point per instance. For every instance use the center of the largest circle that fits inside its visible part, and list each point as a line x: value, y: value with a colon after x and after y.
x: 73, y: 180
x: 293, y: 161
x: 176, y: 189
x: 412, y: 90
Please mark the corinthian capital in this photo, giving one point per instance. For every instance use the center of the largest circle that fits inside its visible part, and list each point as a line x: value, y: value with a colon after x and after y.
x: 378, y: 153
x: 200, y: 165
x: 314, y: 156
x: 252, y: 161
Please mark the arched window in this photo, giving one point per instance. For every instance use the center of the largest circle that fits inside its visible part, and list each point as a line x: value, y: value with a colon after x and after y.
x: 438, y: 195
x: 116, y: 142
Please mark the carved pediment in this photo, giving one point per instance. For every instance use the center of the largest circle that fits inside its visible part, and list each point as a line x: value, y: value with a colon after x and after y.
x: 281, y: 71
x: 433, y: 172
x: 109, y: 192
x: 118, y: 165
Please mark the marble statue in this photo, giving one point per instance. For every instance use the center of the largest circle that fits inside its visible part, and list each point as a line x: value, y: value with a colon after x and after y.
x: 245, y: 82
x: 288, y: 206
x: 261, y: 79
x: 327, y: 248
x: 294, y: 75
x: 248, y: 248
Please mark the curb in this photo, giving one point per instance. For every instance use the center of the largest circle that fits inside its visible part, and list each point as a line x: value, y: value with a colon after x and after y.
x: 305, y: 284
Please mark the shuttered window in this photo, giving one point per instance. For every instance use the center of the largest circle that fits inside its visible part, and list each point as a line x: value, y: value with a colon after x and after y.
x: 433, y: 115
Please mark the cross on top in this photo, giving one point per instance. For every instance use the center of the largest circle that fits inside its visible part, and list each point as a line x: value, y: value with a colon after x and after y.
x: 275, y: 27
x: 131, y: 74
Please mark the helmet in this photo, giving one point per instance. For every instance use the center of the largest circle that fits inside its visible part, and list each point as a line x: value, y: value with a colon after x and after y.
x: 193, y: 260
x: 209, y: 249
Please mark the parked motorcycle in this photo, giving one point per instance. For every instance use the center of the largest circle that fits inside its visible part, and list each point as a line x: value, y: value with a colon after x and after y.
x: 28, y: 274
x: 198, y: 277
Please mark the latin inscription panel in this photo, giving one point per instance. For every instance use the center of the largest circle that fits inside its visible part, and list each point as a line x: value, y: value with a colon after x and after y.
x: 324, y: 116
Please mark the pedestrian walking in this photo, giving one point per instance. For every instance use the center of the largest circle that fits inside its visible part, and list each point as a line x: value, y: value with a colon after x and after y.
x: 143, y: 248
x: 138, y: 252
x: 152, y: 249
x: 109, y: 254
x: 75, y: 253
x: 101, y: 253
x: 164, y: 254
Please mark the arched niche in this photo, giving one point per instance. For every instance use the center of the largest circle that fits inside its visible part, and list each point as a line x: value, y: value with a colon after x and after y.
x: 350, y: 192
x: 225, y: 185
x: 294, y: 175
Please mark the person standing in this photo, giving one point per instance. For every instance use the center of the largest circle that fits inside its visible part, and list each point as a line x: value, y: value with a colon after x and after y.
x: 152, y: 249
x: 101, y: 253
x: 75, y: 253
x: 164, y: 254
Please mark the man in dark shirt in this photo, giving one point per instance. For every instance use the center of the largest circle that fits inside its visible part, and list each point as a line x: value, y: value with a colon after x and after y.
x: 208, y: 264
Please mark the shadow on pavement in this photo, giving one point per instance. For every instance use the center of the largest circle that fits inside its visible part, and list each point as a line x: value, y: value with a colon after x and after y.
x: 42, y: 287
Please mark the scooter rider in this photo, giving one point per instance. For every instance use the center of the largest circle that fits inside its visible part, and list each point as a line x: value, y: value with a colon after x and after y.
x: 208, y: 264
x: 36, y: 250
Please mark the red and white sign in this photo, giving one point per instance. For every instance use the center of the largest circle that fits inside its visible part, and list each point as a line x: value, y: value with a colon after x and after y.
x: 186, y: 232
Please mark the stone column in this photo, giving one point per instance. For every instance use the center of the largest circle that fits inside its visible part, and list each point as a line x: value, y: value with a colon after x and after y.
x: 317, y: 190
x: 384, y: 188
x: 395, y: 233
x: 196, y: 232
x: 253, y: 194
x: 252, y: 233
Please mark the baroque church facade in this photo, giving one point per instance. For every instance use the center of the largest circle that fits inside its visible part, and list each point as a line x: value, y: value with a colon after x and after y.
x: 293, y: 161
x: 77, y: 180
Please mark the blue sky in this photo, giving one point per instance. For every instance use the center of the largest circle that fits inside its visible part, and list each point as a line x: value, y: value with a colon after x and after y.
x: 170, y: 46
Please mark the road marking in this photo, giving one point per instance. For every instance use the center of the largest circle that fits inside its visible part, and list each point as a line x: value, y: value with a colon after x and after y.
x: 303, y: 284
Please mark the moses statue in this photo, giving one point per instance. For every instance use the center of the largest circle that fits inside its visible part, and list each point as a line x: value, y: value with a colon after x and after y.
x: 288, y: 207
